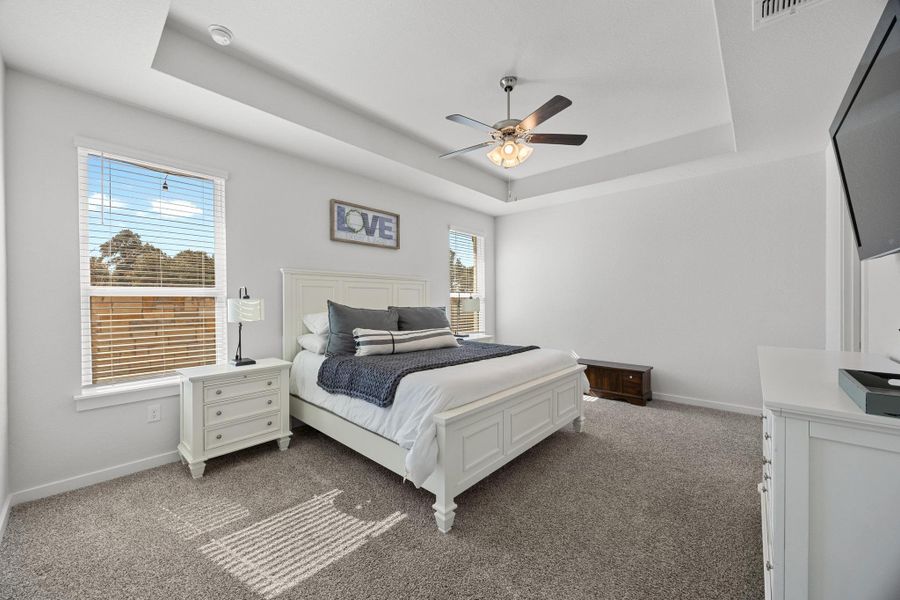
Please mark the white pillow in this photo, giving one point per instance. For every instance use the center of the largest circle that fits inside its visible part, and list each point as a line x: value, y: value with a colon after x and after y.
x: 314, y: 342
x: 316, y: 322
x: 375, y: 341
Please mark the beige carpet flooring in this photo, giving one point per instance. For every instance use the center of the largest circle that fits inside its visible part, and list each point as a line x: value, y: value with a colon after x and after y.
x: 648, y: 503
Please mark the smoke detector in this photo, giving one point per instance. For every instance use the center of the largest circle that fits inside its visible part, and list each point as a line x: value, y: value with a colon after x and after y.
x: 220, y: 34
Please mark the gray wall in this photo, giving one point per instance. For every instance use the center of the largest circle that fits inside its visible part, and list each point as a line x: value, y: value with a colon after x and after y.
x: 689, y: 277
x: 277, y: 216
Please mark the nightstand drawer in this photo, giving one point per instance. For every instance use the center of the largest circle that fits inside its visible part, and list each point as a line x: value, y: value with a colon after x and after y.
x: 229, y: 388
x: 222, y: 412
x: 228, y: 434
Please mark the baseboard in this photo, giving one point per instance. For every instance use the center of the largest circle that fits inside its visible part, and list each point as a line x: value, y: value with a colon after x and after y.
x: 736, y: 408
x: 4, y: 514
x: 80, y: 481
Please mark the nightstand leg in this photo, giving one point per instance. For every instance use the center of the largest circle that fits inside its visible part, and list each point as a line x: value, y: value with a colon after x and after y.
x: 578, y: 425
x: 197, y: 469
x: 284, y: 442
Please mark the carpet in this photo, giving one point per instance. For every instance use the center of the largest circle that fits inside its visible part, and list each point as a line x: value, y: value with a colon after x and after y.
x: 655, y: 502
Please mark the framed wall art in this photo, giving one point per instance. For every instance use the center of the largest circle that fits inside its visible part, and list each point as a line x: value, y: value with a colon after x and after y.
x: 357, y: 224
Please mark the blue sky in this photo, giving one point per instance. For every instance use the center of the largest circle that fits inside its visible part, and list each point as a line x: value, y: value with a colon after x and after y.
x: 126, y: 196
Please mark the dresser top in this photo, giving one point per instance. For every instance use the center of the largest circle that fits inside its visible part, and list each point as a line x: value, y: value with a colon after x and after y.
x: 230, y: 369
x: 806, y: 382
x: 613, y: 365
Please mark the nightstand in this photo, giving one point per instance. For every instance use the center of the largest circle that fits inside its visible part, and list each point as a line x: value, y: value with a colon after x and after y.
x: 226, y: 408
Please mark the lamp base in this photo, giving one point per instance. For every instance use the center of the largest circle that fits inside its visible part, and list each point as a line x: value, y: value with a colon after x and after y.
x: 243, y: 362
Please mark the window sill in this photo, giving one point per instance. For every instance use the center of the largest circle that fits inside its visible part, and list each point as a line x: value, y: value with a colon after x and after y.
x: 126, y: 393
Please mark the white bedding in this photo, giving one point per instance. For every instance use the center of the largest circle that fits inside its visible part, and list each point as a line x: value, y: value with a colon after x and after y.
x: 408, y: 421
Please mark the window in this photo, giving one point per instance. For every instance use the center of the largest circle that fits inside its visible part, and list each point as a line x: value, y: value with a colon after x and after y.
x: 466, y: 281
x: 152, y: 268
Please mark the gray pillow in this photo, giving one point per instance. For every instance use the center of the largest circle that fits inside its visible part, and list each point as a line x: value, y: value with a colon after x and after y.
x: 413, y: 318
x: 342, y: 320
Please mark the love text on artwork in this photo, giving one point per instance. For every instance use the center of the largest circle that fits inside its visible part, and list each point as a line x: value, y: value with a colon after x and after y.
x: 354, y: 220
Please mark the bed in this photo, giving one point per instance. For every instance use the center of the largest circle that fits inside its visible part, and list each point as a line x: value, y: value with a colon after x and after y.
x: 483, y: 414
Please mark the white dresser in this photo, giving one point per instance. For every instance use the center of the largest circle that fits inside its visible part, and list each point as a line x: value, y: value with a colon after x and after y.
x: 830, y: 493
x: 226, y: 408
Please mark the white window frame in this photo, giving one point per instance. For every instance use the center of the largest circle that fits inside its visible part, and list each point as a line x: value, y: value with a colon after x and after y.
x: 479, y: 273
x: 158, y: 385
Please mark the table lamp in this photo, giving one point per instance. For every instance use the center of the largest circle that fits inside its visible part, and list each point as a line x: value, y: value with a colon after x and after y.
x: 244, y: 309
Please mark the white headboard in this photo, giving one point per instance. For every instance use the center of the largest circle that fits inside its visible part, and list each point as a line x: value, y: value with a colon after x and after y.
x: 309, y: 292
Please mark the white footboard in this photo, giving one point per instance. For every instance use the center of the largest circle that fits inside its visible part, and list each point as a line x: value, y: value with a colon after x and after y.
x: 477, y: 439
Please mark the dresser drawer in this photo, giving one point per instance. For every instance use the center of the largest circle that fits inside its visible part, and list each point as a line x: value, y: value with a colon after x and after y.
x: 223, y: 412
x: 229, y: 434
x: 631, y: 383
x: 768, y: 427
x: 230, y: 388
x: 768, y: 557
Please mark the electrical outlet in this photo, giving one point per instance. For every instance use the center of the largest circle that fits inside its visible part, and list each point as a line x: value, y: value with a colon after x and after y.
x: 153, y: 413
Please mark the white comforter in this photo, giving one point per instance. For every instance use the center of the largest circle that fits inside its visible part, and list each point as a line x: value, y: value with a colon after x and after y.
x: 408, y: 421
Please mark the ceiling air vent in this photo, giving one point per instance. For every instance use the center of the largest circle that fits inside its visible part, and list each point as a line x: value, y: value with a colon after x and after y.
x: 769, y: 11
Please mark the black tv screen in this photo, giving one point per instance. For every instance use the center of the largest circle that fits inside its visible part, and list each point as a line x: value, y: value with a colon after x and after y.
x: 866, y: 137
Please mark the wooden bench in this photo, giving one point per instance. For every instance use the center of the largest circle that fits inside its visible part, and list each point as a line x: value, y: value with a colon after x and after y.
x: 619, y: 381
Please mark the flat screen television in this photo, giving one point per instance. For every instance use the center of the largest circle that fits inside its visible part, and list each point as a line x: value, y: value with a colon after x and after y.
x: 866, y: 138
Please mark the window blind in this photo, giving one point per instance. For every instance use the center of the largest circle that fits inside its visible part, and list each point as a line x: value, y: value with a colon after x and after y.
x: 466, y: 280
x: 152, y: 268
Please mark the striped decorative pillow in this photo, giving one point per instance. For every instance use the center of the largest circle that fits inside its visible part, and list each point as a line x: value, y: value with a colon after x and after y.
x: 375, y: 341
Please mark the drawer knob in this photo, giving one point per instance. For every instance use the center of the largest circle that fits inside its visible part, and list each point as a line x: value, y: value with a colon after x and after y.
x: 766, y: 461
x: 765, y: 489
x: 769, y: 566
x: 219, y: 437
x: 269, y: 401
x: 766, y: 476
x: 766, y: 435
x: 268, y: 383
x: 269, y: 424
x: 218, y: 413
x: 218, y: 392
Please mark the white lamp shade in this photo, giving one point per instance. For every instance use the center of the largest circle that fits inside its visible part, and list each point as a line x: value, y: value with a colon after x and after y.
x: 242, y: 310
x: 470, y: 305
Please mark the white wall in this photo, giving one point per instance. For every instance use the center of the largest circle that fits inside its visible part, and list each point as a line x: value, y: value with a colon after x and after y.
x: 689, y: 277
x: 881, y: 305
x: 4, y: 435
x: 277, y: 216
x: 843, y: 270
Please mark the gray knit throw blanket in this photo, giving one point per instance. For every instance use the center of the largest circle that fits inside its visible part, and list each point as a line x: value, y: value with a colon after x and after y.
x: 375, y: 378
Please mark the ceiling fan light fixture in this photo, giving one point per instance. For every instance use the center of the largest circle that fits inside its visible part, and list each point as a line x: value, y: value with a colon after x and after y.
x: 510, y: 154
x: 524, y: 152
x: 510, y: 137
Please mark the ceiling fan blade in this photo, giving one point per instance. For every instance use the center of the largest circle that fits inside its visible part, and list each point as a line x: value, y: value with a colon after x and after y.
x: 469, y: 149
x: 462, y: 120
x: 567, y: 139
x: 550, y: 108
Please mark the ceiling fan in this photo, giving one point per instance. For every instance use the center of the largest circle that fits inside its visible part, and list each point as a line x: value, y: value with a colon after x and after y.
x: 510, y: 137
